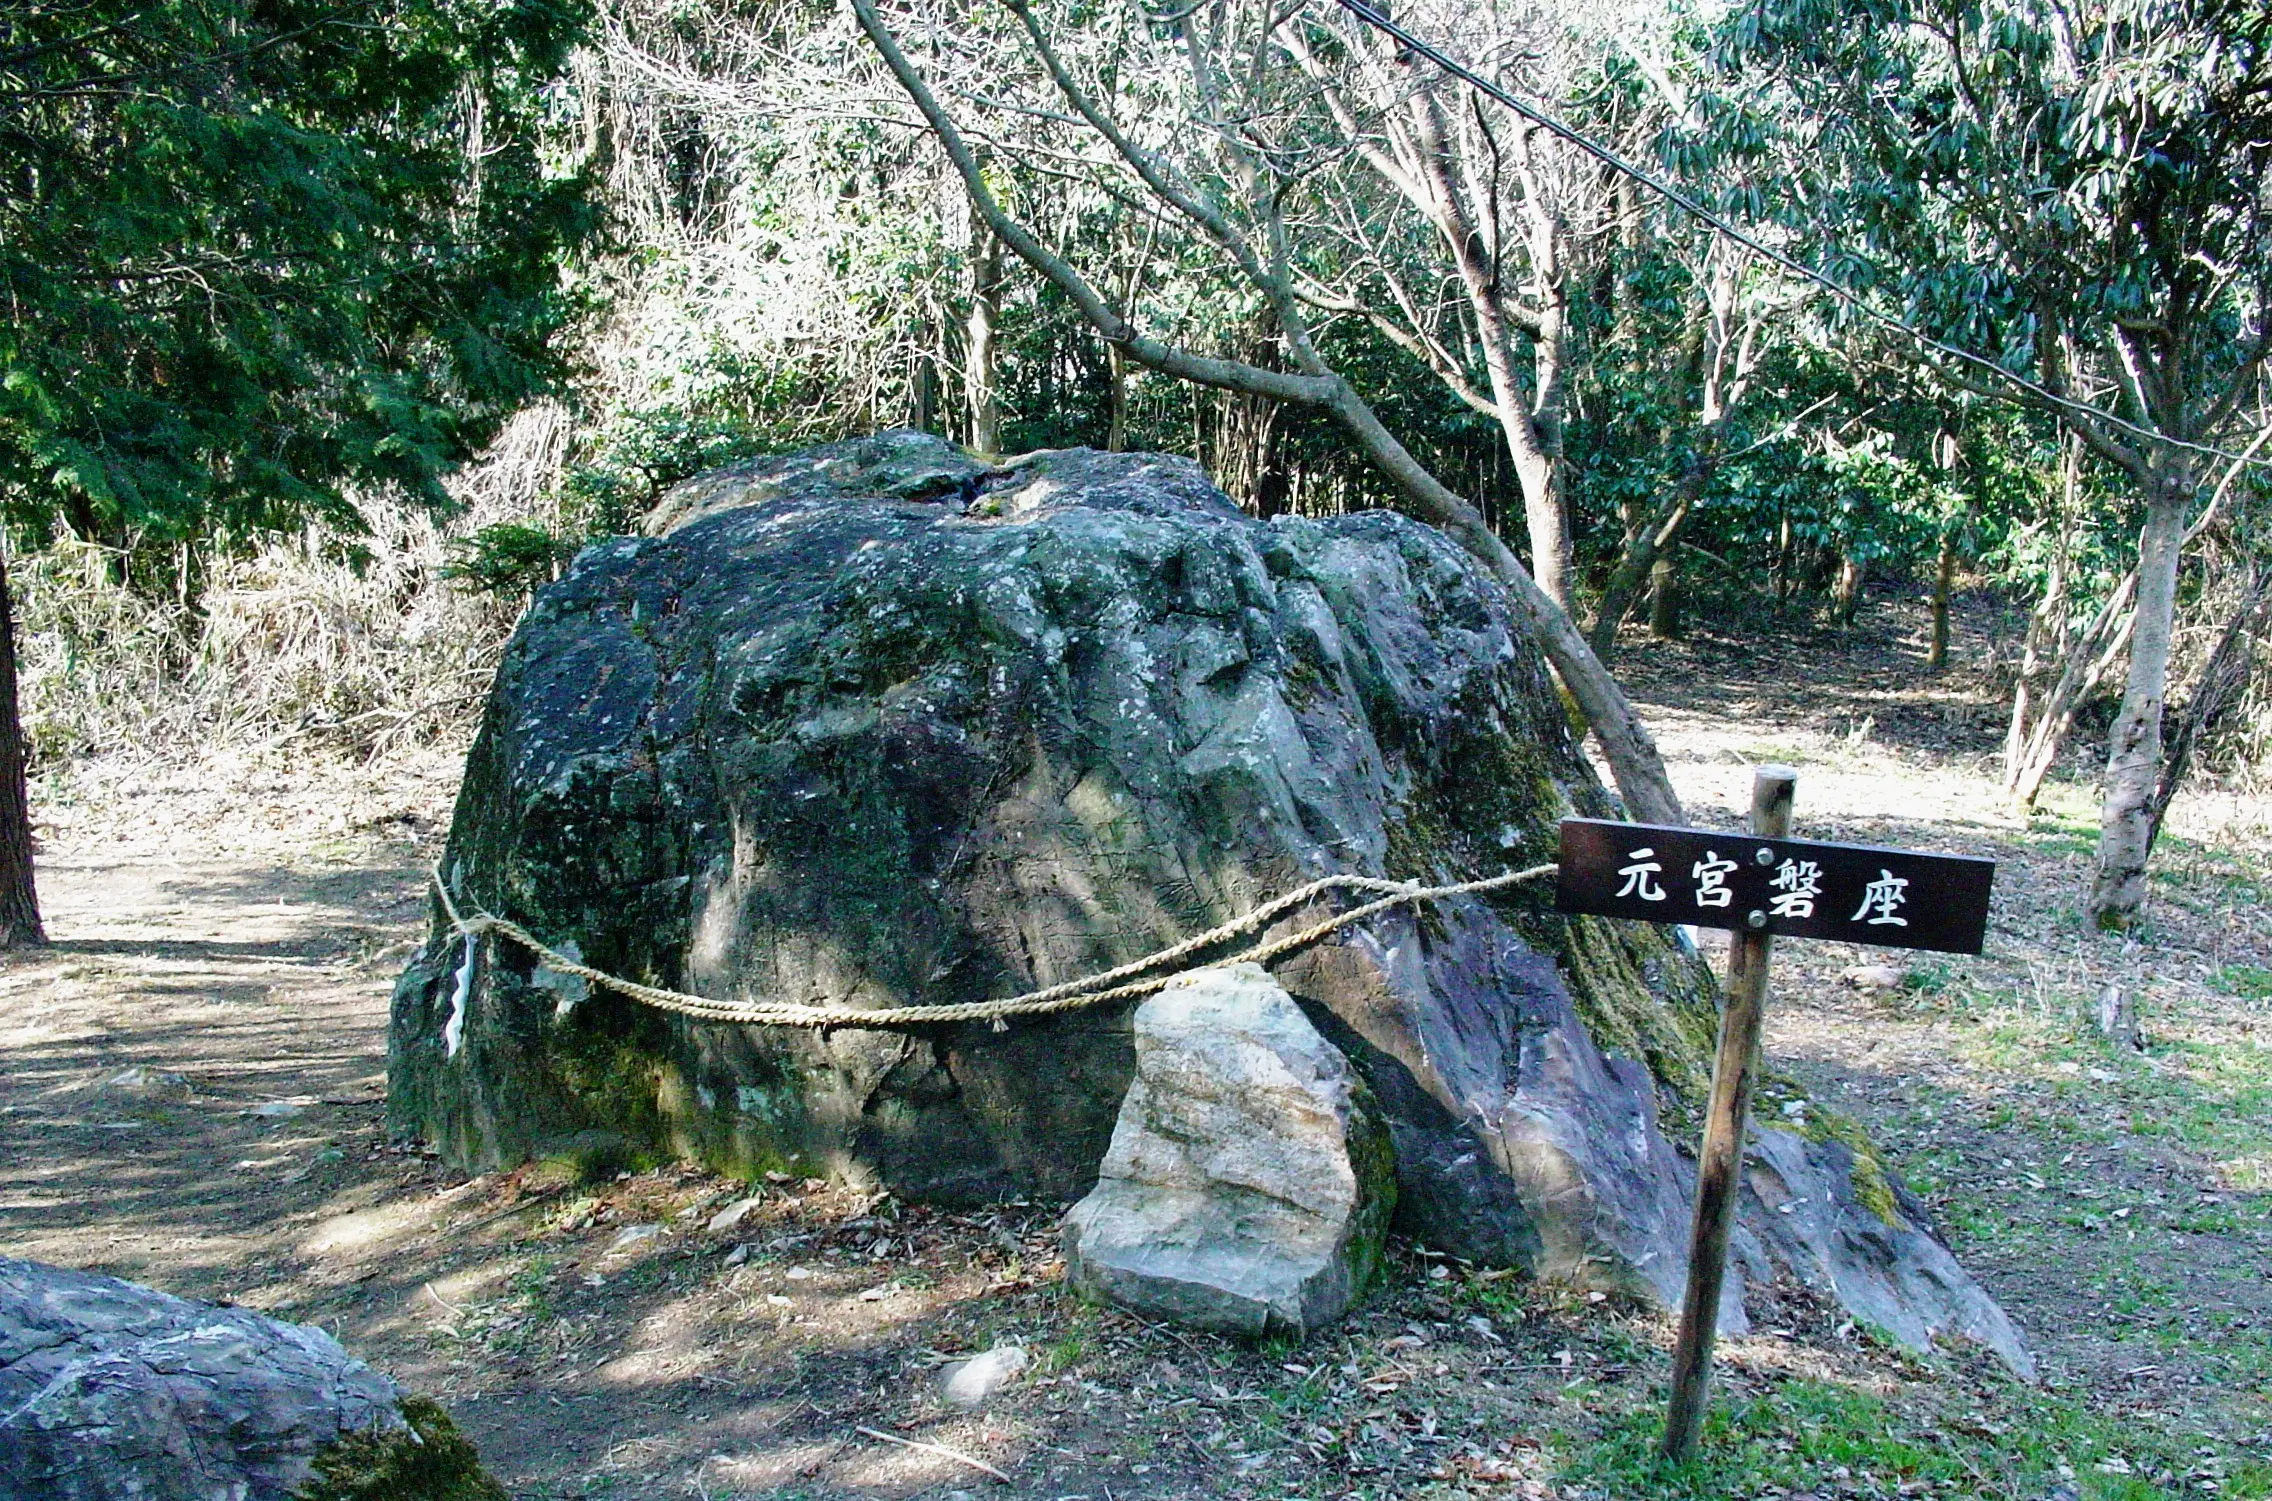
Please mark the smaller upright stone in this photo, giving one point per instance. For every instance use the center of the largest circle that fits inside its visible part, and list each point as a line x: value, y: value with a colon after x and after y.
x: 1249, y: 1185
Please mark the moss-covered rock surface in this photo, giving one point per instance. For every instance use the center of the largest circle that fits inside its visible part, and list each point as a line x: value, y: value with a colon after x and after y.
x: 878, y: 725
x: 427, y: 1460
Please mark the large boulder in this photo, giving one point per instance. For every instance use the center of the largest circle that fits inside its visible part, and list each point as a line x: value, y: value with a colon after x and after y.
x: 110, y: 1391
x: 1248, y: 1185
x: 878, y: 724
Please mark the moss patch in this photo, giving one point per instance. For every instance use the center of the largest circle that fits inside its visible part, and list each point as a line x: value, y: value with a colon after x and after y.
x: 1868, y: 1175
x: 1872, y: 1185
x: 1373, y: 1157
x: 1490, y: 773
x: 617, y: 1072
x: 1675, y: 1034
x: 428, y: 1461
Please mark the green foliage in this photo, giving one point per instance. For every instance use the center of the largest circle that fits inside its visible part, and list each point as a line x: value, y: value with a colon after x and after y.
x: 2041, y: 190
x: 642, y: 451
x: 428, y: 1461
x: 508, y: 558
x: 259, y: 251
x: 2246, y: 981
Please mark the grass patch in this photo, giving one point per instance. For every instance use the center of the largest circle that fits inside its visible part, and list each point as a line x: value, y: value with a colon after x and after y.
x: 1065, y: 1352
x: 2217, y: 1101
x: 2061, y: 841
x: 2245, y: 981
x: 1811, y: 1436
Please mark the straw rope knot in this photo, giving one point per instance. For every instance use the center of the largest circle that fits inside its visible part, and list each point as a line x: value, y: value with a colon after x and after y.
x: 1124, y: 982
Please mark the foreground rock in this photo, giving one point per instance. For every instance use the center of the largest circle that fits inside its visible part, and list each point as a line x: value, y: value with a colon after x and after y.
x: 879, y: 725
x: 1248, y: 1188
x: 111, y: 1391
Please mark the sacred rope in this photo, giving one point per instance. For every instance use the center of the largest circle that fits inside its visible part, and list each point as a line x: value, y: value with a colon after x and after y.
x: 1111, y: 985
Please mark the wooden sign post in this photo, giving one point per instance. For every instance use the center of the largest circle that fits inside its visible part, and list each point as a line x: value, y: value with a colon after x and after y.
x: 1760, y: 885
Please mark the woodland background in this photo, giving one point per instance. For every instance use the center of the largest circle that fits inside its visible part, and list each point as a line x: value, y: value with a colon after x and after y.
x: 332, y: 342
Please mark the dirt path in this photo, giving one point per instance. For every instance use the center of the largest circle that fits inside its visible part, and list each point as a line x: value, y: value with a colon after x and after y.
x: 233, y: 950
x: 598, y: 1340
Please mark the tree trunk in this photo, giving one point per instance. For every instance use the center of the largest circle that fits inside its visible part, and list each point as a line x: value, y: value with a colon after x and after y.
x: 19, y: 897
x: 1645, y: 544
x: 1664, y: 598
x: 2045, y: 629
x: 923, y: 398
x: 2224, y: 679
x: 1617, y: 596
x: 1116, y: 432
x: 2015, y: 734
x: 1547, y: 519
x: 2088, y: 660
x: 2047, y: 625
x: 980, y: 374
x: 1785, y: 547
x: 1937, y: 655
x: 2134, y: 750
x: 1530, y: 413
x: 1846, y: 597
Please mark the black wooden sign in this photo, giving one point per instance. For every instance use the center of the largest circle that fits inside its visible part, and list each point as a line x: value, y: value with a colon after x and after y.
x: 1785, y: 887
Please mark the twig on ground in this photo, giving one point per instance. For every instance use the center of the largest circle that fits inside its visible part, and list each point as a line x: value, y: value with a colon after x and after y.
x: 939, y: 1449
x: 521, y: 1208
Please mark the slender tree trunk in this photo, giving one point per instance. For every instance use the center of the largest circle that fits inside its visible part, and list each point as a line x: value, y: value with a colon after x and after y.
x: 1644, y: 547
x: 1116, y: 433
x: 923, y: 399
x: 2224, y: 679
x: 19, y: 897
x: 1625, y: 584
x: 1846, y: 597
x: 1937, y: 655
x: 2087, y: 661
x: 1531, y: 422
x: 2046, y: 625
x: 2134, y: 749
x: 2015, y: 734
x: 980, y: 373
x: 1664, y: 598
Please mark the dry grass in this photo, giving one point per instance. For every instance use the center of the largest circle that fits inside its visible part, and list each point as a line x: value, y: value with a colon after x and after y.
x: 318, y: 644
